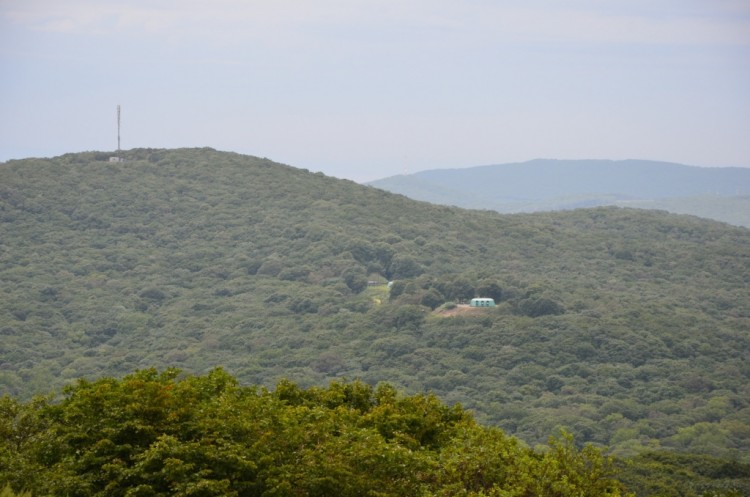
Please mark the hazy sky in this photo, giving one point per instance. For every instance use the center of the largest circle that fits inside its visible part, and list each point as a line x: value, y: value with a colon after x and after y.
x: 364, y: 89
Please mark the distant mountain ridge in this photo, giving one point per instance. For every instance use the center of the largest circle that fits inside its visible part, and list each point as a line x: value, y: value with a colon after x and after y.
x: 720, y: 193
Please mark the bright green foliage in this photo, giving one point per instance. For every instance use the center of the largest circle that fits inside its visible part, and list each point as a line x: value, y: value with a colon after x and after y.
x: 8, y: 492
x: 24, y: 445
x: 156, y: 434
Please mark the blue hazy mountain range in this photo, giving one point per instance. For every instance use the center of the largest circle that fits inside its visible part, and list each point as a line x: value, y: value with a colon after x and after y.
x: 721, y: 193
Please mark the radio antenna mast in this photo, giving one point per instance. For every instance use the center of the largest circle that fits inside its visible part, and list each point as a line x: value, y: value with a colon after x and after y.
x: 118, y: 131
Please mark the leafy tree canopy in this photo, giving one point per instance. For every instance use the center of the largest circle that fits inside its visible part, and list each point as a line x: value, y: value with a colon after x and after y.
x: 162, y: 434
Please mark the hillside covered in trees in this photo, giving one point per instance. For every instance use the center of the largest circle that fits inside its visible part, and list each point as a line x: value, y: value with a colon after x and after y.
x: 627, y: 328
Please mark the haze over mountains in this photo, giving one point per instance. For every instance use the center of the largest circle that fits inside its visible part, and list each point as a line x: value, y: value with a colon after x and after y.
x: 629, y: 328
x: 715, y: 193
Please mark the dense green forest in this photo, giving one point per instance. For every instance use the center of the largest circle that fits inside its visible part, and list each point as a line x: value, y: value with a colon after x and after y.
x: 627, y: 328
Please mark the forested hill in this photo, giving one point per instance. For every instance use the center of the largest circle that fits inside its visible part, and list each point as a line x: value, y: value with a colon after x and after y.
x: 627, y: 327
x: 720, y: 193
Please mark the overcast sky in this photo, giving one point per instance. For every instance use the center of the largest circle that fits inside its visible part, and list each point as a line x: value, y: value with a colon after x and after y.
x: 364, y: 89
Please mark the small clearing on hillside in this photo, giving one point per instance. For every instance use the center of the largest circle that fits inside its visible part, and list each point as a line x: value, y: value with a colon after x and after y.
x: 459, y: 309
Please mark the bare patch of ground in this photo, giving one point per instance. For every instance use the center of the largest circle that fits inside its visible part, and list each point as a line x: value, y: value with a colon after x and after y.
x: 459, y: 309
